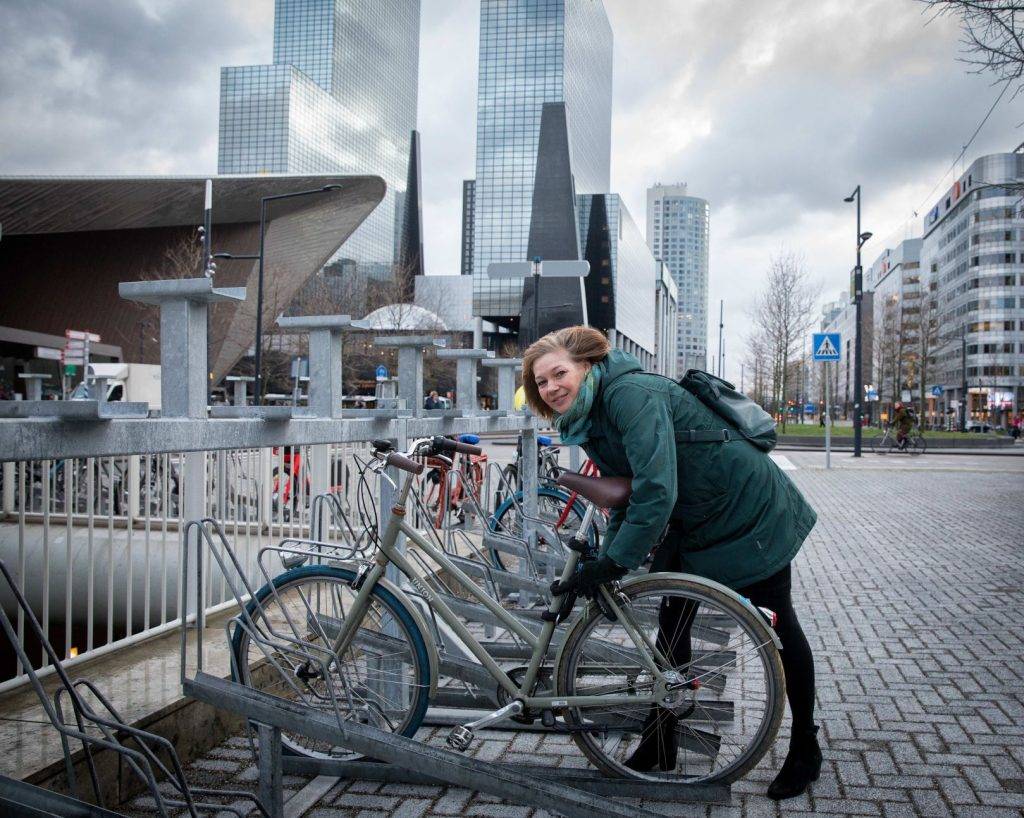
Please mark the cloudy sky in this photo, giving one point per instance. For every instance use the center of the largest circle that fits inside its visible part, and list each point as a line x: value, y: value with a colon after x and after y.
x: 772, y: 110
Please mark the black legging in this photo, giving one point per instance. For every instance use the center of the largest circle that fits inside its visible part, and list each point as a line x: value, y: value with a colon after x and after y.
x: 775, y: 592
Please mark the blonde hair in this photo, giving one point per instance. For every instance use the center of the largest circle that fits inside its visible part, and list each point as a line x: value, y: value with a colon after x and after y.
x: 582, y: 343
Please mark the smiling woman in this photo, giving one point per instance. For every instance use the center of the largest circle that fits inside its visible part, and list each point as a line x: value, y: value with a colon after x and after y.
x: 704, y: 501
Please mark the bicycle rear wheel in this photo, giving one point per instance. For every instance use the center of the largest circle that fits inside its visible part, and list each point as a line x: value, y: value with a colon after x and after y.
x: 382, y: 679
x: 732, y: 688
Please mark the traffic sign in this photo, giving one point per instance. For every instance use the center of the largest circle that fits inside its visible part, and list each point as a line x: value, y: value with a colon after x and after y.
x: 809, y: 408
x: 382, y: 373
x: 937, y: 391
x: 825, y: 346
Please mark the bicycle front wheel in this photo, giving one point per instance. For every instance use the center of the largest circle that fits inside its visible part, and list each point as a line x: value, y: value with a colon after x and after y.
x: 382, y: 679
x: 917, y: 445
x: 726, y: 707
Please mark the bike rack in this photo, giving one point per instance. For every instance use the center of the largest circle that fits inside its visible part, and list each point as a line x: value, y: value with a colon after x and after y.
x: 270, y: 715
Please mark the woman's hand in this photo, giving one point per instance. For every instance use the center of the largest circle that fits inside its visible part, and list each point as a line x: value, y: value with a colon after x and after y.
x: 590, y: 577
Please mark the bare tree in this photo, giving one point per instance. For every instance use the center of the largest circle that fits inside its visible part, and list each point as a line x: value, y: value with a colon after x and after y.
x: 783, y: 313
x: 993, y: 36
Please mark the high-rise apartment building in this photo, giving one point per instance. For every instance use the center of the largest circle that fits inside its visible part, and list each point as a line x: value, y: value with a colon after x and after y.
x: 340, y: 97
x: 677, y: 232
x: 973, y: 256
x: 532, y: 52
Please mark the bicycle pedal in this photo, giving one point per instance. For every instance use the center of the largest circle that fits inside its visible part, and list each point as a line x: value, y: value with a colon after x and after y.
x: 460, y: 738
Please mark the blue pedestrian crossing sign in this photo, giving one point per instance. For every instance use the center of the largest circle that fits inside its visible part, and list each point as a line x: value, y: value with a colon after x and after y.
x: 825, y: 346
x: 937, y: 391
x: 382, y: 373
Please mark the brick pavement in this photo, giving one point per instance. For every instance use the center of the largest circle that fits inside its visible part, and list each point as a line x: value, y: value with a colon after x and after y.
x: 910, y: 589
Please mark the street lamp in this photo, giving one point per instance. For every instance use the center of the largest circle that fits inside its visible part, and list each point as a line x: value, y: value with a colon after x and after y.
x: 858, y: 372
x: 257, y: 381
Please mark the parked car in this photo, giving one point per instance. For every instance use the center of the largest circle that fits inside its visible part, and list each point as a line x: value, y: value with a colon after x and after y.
x: 979, y: 426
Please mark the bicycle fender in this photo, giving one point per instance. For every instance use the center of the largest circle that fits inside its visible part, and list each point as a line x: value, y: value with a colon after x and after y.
x: 417, y: 617
x: 746, y: 603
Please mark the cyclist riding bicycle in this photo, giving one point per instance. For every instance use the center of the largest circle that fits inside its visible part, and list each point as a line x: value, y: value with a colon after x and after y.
x: 732, y: 515
x: 904, y: 420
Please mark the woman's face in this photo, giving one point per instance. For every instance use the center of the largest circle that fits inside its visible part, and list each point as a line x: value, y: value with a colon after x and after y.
x: 558, y: 378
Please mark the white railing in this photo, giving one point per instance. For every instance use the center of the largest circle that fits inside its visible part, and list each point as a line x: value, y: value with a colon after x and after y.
x: 95, y: 543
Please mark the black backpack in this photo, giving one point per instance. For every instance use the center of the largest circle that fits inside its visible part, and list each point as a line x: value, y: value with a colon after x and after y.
x: 741, y: 413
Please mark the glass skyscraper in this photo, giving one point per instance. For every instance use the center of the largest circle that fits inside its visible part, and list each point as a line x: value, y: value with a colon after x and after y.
x: 532, y: 52
x: 678, y: 228
x: 340, y: 97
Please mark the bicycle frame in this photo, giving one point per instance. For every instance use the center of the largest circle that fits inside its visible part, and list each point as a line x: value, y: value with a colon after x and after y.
x: 650, y: 655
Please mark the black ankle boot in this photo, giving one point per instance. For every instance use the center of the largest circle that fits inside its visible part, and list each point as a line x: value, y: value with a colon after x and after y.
x: 658, y: 743
x: 801, y: 767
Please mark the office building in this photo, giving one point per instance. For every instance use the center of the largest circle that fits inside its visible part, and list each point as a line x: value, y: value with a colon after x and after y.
x: 666, y: 320
x: 340, y: 97
x: 895, y: 352
x: 533, y: 52
x: 973, y: 256
x: 678, y: 228
x: 622, y: 288
x: 468, y: 210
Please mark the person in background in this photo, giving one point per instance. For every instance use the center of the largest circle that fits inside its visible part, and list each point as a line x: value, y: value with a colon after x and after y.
x: 432, y: 401
x: 904, y: 421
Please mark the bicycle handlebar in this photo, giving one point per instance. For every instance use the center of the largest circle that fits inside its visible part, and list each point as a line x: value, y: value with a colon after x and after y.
x: 400, y: 461
x: 444, y: 444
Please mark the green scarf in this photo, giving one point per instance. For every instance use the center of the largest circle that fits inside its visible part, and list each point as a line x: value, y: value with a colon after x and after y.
x: 574, y: 425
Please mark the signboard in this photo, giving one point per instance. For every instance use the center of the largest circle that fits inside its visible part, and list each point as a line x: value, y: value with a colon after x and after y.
x: 825, y: 346
x: 808, y: 408
x: 937, y: 391
x: 79, y: 335
x: 48, y: 353
x: 382, y: 373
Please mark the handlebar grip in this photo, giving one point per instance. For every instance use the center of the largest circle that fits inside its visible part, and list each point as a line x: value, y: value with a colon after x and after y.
x: 444, y: 444
x: 400, y: 461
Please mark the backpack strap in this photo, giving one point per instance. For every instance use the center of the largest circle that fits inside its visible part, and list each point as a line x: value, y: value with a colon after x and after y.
x: 707, y: 436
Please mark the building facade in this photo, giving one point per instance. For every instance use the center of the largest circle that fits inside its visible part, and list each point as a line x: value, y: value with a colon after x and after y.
x: 896, y: 350
x: 666, y: 320
x: 340, y: 96
x: 973, y: 255
x: 532, y: 52
x: 678, y: 231
x: 621, y: 289
x: 468, y: 210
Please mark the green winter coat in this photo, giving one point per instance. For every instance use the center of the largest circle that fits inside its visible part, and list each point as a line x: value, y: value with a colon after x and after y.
x: 740, y: 518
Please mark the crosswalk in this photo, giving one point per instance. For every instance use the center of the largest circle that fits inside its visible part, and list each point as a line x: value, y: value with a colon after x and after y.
x: 783, y: 462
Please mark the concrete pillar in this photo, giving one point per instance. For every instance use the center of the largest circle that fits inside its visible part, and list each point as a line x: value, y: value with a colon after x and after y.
x: 465, y: 376
x: 240, y: 383
x: 507, y: 369
x: 184, y: 304
x: 410, y: 365
x: 324, y: 359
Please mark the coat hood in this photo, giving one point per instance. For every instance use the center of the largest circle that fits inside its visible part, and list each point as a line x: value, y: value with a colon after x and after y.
x: 618, y: 363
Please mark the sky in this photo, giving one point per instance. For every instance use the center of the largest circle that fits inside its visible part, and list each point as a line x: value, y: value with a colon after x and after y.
x: 772, y: 111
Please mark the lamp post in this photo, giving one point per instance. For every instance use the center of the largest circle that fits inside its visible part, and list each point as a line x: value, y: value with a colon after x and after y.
x: 858, y: 371
x: 257, y: 381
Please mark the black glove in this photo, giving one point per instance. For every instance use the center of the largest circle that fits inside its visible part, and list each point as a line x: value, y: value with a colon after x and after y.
x: 590, y: 577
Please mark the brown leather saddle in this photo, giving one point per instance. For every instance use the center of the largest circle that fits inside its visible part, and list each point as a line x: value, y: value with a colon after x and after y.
x: 606, y: 492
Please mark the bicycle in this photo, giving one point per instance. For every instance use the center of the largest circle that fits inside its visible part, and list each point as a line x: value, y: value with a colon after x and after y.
x: 608, y: 673
x: 913, y: 444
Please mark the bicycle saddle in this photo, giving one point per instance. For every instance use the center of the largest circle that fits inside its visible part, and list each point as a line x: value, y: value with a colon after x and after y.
x: 606, y: 492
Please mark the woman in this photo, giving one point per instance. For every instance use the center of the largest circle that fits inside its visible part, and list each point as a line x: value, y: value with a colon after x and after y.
x: 731, y: 514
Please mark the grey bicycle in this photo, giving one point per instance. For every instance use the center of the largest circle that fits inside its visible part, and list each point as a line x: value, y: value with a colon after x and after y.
x: 722, y: 678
